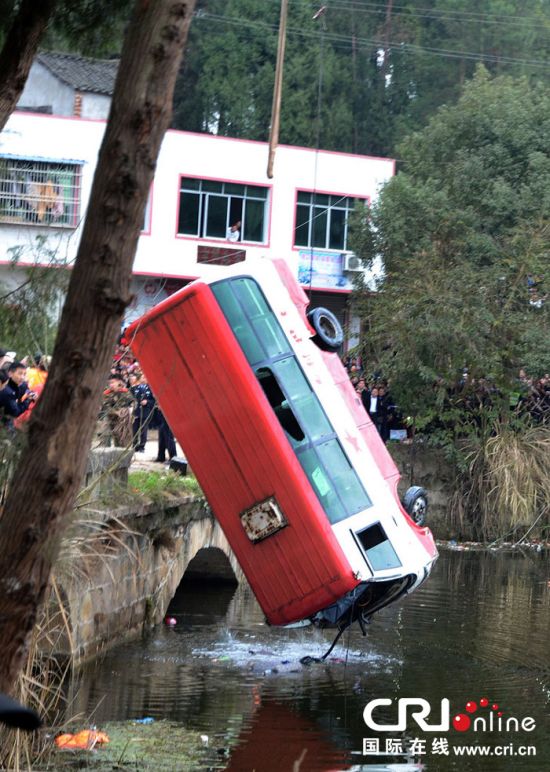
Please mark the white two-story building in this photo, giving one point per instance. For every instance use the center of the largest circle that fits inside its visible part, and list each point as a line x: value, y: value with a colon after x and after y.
x: 203, y: 186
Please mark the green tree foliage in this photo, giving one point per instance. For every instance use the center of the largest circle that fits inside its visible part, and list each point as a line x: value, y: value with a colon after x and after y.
x: 357, y: 78
x: 89, y: 27
x: 463, y: 233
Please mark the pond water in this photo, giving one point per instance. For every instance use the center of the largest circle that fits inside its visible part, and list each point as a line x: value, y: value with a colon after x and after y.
x: 479, y: 628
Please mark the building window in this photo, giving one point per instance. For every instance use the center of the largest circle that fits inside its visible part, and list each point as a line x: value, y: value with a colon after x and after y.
x: 39, y: 192
x: 208, y: 209
x: 322, y: 220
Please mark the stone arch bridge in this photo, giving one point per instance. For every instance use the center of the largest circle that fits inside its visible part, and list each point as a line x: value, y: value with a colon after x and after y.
x: 126, y: 580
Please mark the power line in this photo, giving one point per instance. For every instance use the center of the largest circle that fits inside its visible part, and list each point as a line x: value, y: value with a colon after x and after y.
x: 395, y: 45
x: 435, y: 13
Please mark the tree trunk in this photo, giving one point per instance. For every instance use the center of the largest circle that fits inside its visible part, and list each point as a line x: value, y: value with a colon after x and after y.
x: 50, y: 471
x: 19, y: 50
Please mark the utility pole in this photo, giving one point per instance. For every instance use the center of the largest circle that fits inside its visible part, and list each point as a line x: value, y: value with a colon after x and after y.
x: 387, y: 35
x: 277, y: 90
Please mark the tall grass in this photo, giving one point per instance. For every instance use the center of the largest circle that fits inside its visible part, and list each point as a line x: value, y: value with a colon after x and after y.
x: 505, y: 488
x: 93, y: 534
x: 41, y: 684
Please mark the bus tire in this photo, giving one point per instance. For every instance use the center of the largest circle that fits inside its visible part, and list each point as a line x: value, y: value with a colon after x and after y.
x: 329, y: 335
x: 415, y: 502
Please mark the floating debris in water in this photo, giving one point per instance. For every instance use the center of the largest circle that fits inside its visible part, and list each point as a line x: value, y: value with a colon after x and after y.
x: 285, y: 657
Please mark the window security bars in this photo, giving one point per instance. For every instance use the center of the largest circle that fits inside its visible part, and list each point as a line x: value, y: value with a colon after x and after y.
x: 39, y: 192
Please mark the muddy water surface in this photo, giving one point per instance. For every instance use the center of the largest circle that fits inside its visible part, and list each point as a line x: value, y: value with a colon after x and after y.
x: 479, y: 628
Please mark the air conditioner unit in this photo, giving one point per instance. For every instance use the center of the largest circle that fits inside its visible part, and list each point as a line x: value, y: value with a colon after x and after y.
x: 352, y: 263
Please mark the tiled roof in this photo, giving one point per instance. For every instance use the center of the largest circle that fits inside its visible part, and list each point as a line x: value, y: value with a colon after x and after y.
x: 83, y: 74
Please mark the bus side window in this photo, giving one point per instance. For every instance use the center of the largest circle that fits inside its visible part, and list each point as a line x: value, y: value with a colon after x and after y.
x: 278, y: 402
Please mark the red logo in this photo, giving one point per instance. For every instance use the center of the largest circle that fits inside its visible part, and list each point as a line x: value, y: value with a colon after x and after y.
x: 462, y: 721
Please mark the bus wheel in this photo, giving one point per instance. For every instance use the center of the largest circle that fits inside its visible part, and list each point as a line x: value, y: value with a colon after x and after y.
x: 415, y: 503
x: 328, y: 331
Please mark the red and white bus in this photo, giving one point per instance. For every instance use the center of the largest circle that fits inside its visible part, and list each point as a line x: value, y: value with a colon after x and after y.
x: 288, y: 459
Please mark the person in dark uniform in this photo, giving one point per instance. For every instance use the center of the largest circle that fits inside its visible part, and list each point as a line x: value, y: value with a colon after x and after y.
x: 144, y: 404
x: 167, y: 443
x: 376, y: 403
x: 384, y: 402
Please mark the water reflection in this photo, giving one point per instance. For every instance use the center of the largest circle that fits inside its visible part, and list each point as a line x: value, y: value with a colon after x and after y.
x: 279, y: 738
x: 478, y: 628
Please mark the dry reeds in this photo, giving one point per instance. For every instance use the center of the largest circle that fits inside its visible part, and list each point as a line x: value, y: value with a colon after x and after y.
x: 505, y: 490
x: 42, y: 683
x: 40, y: 686
x: 92, y: 535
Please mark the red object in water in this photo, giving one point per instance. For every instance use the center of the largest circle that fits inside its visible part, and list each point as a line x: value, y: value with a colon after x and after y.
x: 85, y: 740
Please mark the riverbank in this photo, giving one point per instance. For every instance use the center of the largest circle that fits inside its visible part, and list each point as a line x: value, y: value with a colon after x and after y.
x: 418, y: 465
x: 146, y: 745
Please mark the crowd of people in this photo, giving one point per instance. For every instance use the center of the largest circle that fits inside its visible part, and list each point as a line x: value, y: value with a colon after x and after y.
x: 21, y: 383
x: 128, y: 408
x: 532, y: 397
x: 377, y: 401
